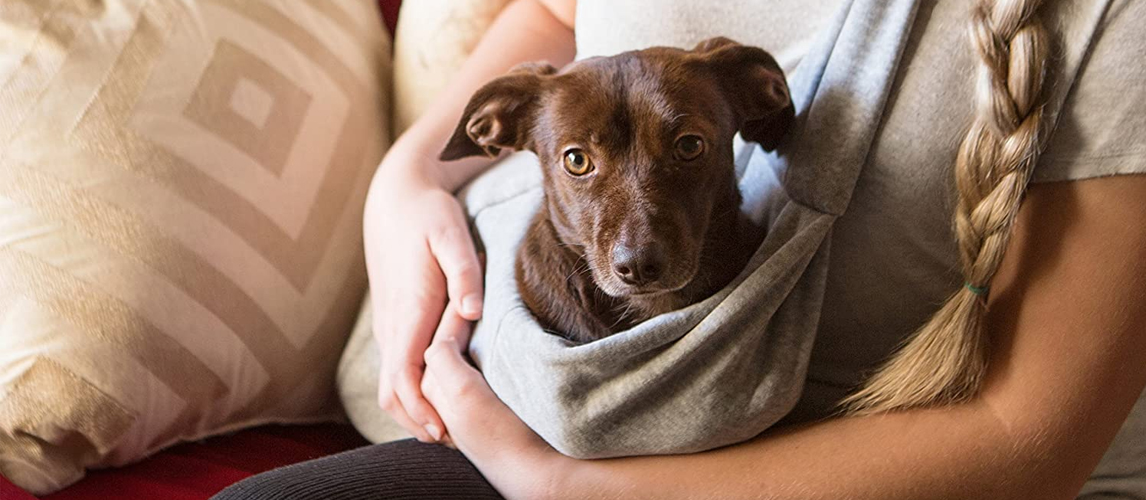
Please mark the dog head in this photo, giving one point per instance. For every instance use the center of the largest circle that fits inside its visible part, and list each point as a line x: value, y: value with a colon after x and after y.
x: 636, y: 150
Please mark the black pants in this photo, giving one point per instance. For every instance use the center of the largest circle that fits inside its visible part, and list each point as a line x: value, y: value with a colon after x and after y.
x: 399, y: 470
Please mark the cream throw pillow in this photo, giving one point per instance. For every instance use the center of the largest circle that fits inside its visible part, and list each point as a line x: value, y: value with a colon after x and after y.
x: 432, y: 40
x: 180, y: 207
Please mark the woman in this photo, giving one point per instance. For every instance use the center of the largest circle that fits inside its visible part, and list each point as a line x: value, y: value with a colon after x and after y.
x: 1064, y: 315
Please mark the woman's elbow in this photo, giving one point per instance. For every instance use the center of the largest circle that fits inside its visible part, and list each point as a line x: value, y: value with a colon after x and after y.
x: 563, y: 10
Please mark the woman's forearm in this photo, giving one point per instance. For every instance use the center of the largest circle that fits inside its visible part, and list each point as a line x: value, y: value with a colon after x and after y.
x: 939, y: 454
x: 525, y: 31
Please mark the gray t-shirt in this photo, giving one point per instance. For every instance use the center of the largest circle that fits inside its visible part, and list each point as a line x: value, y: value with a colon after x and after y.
x: 893, y: 254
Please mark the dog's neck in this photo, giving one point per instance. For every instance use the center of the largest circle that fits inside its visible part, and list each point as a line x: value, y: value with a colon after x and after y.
x: 558, y: 287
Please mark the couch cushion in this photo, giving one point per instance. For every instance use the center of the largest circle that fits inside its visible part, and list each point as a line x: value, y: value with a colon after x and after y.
x: 180, y: 193
x: 433, y: 39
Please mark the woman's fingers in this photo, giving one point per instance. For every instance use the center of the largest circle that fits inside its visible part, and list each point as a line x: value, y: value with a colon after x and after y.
x: 452, y: 336
x: 416, y: 301
x: 407, y: 321
x: 454, y: 249
x: 389, y: 402
x: 477, y: 422
x: 408, y: 387
x: 448, y: 373
x: 403, y: 367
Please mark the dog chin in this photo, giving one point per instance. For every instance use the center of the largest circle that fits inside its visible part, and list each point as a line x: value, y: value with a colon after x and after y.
x: 620, y: 290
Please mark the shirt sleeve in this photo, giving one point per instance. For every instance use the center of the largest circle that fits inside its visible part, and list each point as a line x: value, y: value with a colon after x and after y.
x: 1102, y: 128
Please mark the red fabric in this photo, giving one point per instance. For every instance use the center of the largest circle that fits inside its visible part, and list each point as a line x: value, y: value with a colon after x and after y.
x: 8, y: 491
x: 195, y: 471
x: 390, y: 13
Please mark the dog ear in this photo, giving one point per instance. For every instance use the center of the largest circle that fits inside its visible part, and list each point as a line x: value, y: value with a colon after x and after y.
x: 500, y: 114
x: 754, y: 86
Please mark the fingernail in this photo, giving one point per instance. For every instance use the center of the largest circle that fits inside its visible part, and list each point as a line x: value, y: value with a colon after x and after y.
x: 471, y: 305
x: 434, y: 432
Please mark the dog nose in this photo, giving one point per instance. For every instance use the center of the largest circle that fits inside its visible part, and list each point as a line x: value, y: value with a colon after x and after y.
x: 638, y: 265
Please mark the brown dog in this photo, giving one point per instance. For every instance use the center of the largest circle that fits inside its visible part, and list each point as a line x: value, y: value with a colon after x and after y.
x: 641, y: 212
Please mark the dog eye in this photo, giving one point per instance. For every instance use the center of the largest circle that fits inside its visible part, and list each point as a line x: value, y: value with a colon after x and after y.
x: 577, y: 162
x: 689, y: 147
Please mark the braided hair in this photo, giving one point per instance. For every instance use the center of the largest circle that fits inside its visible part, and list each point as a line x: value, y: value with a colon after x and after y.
x: 946, y: 360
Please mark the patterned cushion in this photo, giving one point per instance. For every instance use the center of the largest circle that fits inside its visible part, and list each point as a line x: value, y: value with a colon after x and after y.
x: 180, y: 240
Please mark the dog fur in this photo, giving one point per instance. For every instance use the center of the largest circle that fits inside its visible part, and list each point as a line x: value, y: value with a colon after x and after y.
x: 649, y: 227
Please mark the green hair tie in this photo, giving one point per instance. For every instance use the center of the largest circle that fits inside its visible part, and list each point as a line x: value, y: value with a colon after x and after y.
x: 977, y: 290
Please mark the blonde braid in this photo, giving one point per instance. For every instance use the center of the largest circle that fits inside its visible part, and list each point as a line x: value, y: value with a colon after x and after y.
x: 945, y: 361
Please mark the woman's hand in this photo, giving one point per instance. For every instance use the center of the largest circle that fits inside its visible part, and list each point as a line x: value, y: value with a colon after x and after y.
x: 515, y: 460
x: 418, y: 253
x: 418, y: 246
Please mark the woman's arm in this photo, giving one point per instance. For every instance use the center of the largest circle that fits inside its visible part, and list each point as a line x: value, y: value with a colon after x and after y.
x: 418, y: 246
x: 1068, y: 319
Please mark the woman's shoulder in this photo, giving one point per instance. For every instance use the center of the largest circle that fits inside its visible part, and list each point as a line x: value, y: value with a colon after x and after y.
x: 1101, y: 129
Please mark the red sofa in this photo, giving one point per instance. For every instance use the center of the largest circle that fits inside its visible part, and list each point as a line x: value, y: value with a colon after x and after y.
x: 195, y: 471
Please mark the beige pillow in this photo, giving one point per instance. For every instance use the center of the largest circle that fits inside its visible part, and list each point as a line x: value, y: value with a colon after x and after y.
x: 180, y: 207
x: 358, y: 383
x: 432, y: 40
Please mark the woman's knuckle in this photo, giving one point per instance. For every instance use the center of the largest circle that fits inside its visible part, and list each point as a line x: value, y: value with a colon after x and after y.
x: 452, y: 235
x: 468, y: 268
x: 394, y: 383
x: 432, y: 352
x: 465, y: 388
x: 387, y: 401
x: 408, y: 377
x: 419, y: 301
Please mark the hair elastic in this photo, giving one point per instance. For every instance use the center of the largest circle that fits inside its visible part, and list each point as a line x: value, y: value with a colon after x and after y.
x: 977, y: 290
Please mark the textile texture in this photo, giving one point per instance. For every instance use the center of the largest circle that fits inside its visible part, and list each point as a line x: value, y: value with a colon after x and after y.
x: 725, y: 369
x: 180, y: 219
x: 399, y: 470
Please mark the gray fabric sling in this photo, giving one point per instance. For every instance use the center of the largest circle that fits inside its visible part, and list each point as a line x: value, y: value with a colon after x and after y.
x: 723, y: 370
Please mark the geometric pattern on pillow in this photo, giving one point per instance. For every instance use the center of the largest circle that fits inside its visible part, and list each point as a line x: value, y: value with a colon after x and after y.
x: 181, y: 187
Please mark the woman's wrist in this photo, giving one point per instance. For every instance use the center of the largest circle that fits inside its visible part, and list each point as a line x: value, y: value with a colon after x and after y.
x: 409, y: 159
x: 531, y: 470
x: 413, y: 157
x: 558, y: 477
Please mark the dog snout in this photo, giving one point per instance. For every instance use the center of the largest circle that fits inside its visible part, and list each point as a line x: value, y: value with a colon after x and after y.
x: 638, y: 265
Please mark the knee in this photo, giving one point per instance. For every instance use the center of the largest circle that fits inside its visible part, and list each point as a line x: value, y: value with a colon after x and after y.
x: 279, y: 484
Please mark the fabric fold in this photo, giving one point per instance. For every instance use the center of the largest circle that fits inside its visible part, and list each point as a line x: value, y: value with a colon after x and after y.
x: 723, y: 370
